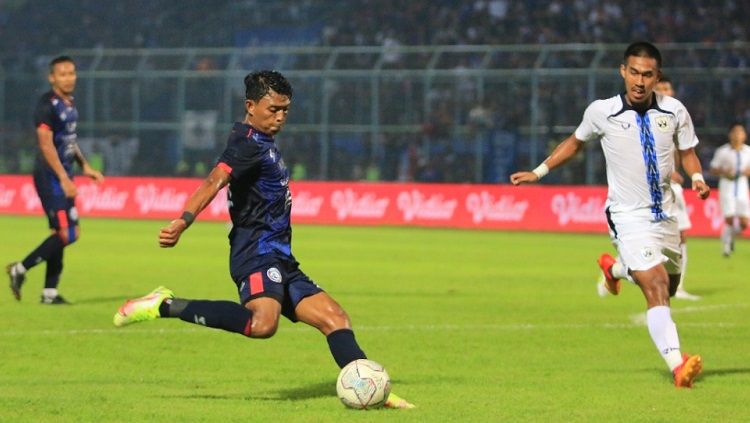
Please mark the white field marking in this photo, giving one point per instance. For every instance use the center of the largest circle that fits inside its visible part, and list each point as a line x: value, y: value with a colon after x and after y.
x: 640, y: 318
x: 397, y: 328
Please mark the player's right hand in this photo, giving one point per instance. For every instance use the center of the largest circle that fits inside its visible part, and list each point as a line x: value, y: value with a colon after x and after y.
x: 68, y: 187
x: 170, y: 234
x: 519, y: 178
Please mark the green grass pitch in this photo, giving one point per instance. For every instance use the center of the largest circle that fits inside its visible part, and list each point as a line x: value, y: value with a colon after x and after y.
x: 472, y: 326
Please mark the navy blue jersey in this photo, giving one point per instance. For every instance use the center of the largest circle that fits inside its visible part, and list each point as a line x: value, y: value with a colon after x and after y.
x: 60, y: 117
x: 260, y: 203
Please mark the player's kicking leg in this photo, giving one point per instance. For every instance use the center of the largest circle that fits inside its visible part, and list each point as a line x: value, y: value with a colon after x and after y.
x: 326, y: 315
x: 612, y: 271
x: 257, y: 319
x: 143, y: 308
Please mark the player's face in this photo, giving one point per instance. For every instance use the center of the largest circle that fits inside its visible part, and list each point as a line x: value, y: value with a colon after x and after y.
x: 641, y: 75
x: 737, y: 135
x: 63, y: 78
x: 664, y: 88
x: 268, y: 114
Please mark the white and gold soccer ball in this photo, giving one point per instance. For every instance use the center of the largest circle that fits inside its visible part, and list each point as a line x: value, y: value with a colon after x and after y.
x: 363, y: 384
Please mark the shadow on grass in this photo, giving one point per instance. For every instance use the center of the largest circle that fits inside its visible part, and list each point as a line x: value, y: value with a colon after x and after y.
x: 299, y: 393
x: 101, y: 300
x: 709, y: 373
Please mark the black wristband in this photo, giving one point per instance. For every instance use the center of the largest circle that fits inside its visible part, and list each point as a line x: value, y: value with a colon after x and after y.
x: 187, y: 217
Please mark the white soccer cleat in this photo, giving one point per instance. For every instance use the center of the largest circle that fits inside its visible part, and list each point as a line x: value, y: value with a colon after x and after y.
x: 681, y: 294
x: 601, y: 287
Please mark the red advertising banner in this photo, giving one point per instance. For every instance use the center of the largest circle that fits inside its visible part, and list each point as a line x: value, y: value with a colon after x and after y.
x: 532, y: 208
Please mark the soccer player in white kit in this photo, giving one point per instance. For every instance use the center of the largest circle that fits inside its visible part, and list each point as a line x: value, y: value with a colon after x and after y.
x: 731, y: 162
x: 664, y: 87
x: 638, y: 130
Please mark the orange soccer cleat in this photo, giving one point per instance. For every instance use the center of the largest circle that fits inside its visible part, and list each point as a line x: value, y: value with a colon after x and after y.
x: 612, y: 283
x: 685, y: 373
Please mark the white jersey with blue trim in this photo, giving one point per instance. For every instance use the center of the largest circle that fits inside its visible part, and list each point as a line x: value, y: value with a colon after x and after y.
x: 639, y: 151
x: 736, y: 162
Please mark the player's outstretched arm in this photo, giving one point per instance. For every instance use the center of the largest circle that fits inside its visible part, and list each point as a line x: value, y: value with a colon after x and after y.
x: 692, y: 166
x: 214, y: 182
x: 562, y: 153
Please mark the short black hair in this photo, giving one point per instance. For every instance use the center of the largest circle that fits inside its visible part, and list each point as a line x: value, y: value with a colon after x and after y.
x: 59, y: 59
x: 735, y: 123
x: 643, y: 49
x: 257, y: 84
x: 665, y: 78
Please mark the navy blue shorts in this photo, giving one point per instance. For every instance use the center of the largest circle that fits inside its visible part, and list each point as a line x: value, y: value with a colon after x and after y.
x: 60, y: 210
x: 280, y: 280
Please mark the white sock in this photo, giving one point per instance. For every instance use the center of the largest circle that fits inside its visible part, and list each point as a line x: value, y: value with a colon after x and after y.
x: 726, y: 234
x: 49, y: 292
x: 683, y: 265
x: 19, y: 268
x: 619, y: 270
x: 663, y: 332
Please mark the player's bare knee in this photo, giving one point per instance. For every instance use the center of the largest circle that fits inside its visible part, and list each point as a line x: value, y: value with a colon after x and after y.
x: 337, y: 319
x: 263, y: 328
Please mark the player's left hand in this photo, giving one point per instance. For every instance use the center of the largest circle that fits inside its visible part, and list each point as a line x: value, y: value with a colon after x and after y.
x: 519, y: 178
x: 93, y: 174
x: 702, y: 189
x: 170, y: 234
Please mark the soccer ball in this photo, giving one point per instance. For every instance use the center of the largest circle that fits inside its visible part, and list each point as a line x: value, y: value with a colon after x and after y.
x: 363, y: 384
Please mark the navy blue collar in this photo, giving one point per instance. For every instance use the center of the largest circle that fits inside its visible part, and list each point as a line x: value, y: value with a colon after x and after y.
x: 625, y: 106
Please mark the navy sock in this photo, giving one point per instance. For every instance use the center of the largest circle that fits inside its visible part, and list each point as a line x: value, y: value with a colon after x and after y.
x: 226, y: 315
x: 44, y: 251
x: 344, y: 347
x: 54, y: 269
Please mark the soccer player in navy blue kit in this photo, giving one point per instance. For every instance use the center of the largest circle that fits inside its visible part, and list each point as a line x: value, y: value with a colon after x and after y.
x: 268, y: 278
x: 55, y: 120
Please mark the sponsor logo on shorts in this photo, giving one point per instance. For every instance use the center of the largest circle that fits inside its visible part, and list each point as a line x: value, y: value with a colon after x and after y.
x: 274, y: 274
x: 647, y: 253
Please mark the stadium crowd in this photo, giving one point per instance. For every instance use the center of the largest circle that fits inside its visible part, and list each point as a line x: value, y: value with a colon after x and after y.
x: 28, y: 38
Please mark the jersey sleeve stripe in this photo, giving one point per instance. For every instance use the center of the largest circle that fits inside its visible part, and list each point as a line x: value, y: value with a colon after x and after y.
x: 225, y: 167
x: 256, y: 283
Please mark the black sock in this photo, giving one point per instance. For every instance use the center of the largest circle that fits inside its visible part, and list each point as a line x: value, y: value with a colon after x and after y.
x: 226, y: 315
x: 344, y: 347
x: 172, y: 307
x: 54, y: 269
x: 44, y: 251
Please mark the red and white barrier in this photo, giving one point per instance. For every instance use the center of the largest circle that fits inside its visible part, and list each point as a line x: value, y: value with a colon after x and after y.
x: 533, y: 208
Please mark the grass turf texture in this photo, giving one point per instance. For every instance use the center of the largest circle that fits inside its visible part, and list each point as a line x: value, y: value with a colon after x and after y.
x: 472, y: 326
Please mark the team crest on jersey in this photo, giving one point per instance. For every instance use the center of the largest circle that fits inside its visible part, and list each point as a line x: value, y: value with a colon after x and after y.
x: 274, y: 274
x: 662, y: 123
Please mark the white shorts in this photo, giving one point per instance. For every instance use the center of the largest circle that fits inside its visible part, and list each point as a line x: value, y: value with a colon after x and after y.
x: 734, y: 205
x: 643, y: 243
x: 680, y: 209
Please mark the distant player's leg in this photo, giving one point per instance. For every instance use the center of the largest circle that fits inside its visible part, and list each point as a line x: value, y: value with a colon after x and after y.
x: 681, y: 293
x: 63, y: 221
x: 325, y: 314
x: 655, y: 284
x: 740, y: 226
x: 727, y: 236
